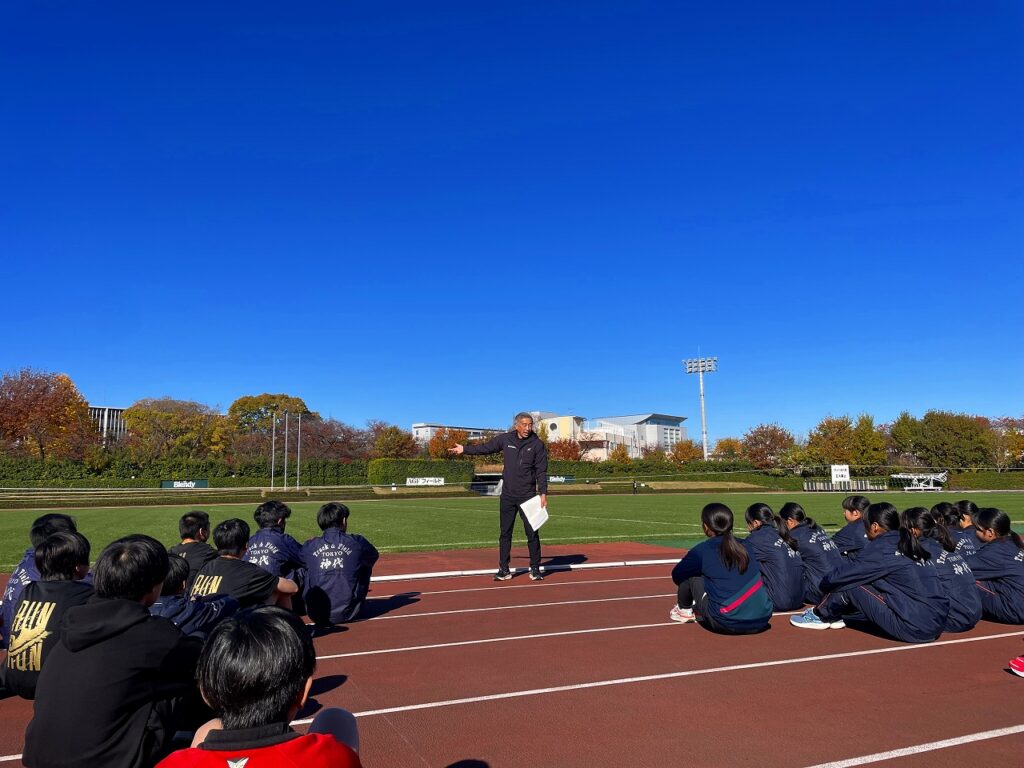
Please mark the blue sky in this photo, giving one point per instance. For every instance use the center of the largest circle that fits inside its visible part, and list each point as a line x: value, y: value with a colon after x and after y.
x: 454, y: 211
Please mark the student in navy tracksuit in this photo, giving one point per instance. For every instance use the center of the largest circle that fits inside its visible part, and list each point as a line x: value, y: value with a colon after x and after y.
x: 273, y: 550
x: 777, y: 556
x: 852, y: 537
x: 719, y: 584
x: 954, y: 573
x: 339, y: 565
x: 960, y: 522
x: 998, y: 566
x: 891, y: 585
x: 818, y: 553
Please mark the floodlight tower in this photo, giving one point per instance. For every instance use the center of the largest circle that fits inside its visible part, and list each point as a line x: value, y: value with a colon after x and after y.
x: 700, y: 366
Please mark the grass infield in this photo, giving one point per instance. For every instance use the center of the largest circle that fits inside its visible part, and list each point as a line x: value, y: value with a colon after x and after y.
x: 410, y: 525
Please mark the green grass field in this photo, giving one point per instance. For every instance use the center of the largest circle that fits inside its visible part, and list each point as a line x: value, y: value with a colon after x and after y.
x: 408, y: 525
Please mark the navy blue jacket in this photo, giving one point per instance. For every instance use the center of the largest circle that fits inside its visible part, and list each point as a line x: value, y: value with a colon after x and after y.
x: 819, y: 555
x: 911, y: 590
x: 738, y: 600
x: 966, y: 541
x: 23, y: 575
x: 999, y: 568
x: 276, y: 552
x: 194, y: 617
x: 781, y: 569
x: 338, y: 569
x: 851, y: 538
x: 958, y: 581
x: 525, y: 473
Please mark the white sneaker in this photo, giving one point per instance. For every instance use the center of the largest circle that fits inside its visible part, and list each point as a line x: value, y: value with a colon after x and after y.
x: 682, y: 615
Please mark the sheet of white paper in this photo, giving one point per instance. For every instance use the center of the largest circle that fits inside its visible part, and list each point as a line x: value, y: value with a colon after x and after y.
x: 535, y: 513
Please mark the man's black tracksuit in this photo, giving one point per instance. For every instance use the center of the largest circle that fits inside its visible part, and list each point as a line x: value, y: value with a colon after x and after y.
x: 524, y: 476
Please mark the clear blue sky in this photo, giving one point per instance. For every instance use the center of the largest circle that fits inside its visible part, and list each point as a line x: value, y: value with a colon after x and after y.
x: 454, y: 211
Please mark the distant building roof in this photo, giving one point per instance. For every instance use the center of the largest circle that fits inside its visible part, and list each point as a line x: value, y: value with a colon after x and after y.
x: 639, y: 418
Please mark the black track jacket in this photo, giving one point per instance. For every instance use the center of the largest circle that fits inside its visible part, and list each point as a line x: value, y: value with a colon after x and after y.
x: 526, y: 463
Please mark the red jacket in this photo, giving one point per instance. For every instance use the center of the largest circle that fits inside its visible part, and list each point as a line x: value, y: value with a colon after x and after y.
x: 311, y: 750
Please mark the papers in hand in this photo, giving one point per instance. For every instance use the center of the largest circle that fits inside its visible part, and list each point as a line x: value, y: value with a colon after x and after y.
x: 535, y: 513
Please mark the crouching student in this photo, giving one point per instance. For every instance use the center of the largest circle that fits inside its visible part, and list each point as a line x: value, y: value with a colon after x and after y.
x: 338, y: 568
x: 776, y: 554
x: 120, y: 682
x: 719, y: 584
x: 193, y: 617
x: 63, y: 561
x: 255, y: 672
x: 851, y: 538
x: 891, y: 585
x: 194, y: 528
x: 818, y: 553
x: 998, y: 566
x: 954, y: 573
x: 229, y: 574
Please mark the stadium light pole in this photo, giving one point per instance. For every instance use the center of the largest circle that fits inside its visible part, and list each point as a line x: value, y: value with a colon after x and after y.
x: 273, y: 447
x: 700, y: 366
x: 284, y: 483
x: 298, y: 453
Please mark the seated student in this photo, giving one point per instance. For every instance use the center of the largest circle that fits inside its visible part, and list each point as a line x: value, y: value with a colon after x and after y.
x: 63, y: 561
x: 270, y: 547
x: 776, y: 554
x: 194, y: 528
x: 954, y: 573
x: 818, y: 553
x: 112, y: 691
x: 998, y: 566
x: 229, y: 574
x: 852, y: 537
x: 719, y: 584
x: 961, y: 527
x: 338, y: 568
x: 193, y: 617
x: 26, y: 572
x: 255, y: 672
x: 891, y: 585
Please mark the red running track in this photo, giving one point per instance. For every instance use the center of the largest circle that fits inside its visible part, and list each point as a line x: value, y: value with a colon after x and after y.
x: 584, y: 669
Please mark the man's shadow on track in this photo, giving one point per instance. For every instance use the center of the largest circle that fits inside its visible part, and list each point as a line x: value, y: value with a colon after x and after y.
x: 469, y: 764
x: 378, y: 606
x: 558, y: 562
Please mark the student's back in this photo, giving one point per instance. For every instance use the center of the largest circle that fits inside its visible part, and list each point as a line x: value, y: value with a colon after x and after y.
x: 338, y: 566
x: 850, y: 539
x: 965, y: 540
x: 780, y: 565
x: 958, y: 581
x: 818, y: 554
x: 196, y: 554
x: 998, y: 567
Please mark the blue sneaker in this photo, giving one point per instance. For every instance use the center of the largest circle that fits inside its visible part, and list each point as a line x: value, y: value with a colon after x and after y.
x: 810, y: 620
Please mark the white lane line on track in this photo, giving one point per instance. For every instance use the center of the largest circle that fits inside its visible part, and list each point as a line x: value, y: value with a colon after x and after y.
x: 513, y: 607
x: 669, y: 676
x: 441, y: 545
x: 878, y: 757
x: 626, y: 520
x: 531, y: 585
x: 545, y: 568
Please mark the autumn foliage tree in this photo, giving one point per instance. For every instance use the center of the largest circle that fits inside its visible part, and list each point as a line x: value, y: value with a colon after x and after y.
x: 728, y: 449
x: 686, y: 451
x: 765, y: 444
x: 444, y: 439
x: 43, y: 415
x: 565, y: 449
x: 620, y: 454
x: 392, y: 442
x: 255, y: 413
x: 160, y: 428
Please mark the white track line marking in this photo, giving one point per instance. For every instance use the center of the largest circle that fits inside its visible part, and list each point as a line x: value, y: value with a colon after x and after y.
x: 625, y: 520
x: 441, y: 545
x: 545, y: 568
x: 514, y: 607
x: 666, y: 676
x: 524, y: 586
x: 929, y: 747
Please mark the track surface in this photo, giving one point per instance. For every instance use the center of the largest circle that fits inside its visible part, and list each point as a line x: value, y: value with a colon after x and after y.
x: 584, y: 669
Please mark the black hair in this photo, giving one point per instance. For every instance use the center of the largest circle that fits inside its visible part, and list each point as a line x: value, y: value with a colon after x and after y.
x: 998, y: 521
x: 946, y: 512
x: 177, y: 573
x: 856, y: 503
x: 231, y: 536
x: 966, y: 508
x: 49, y: 524
x: 885, y: 515
x: 255, y: 665
x: 192, y: 523
x: 269, y: 512
x: 930, y: 525
x: 762, y: 513
x: 793, y: 511
x: 718, y: 519
x: 130, y: 567
x: 331, y: 514
x: 59, y: 556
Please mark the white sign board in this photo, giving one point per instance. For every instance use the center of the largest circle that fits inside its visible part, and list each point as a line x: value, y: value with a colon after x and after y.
x: 424, y: 481
x: 840, y: 473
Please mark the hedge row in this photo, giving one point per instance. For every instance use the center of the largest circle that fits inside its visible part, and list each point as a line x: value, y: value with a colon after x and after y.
x: 388, y: 471
x: 989, y: 481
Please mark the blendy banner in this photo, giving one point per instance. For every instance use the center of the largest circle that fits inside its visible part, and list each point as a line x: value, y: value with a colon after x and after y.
x: 186, y: 485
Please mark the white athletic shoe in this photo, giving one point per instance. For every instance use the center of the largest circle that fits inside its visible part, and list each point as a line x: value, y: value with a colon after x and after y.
x: 682, y: 615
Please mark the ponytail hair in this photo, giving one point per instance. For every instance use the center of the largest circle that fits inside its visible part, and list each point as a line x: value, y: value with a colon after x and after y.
x: 930, y: 527
x: 885, y: 516
x: 998, y: 521
x: 966, y: 508
x: 763, y: 514
x: 718, y: 519
x: 793, y: 511
x: 856, y: 504
x: 947, y: 513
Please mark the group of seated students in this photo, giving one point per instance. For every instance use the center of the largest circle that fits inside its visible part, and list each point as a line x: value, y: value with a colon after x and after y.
x: 909, y: 576
x: 156, y: 649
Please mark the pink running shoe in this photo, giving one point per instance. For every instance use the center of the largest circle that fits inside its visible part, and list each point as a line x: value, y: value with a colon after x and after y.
x: 1017, y: 666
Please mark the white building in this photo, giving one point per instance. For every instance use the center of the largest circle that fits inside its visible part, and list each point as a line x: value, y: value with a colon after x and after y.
x: 422, y: 432
x: 600, y: 436
x: 109, y: 422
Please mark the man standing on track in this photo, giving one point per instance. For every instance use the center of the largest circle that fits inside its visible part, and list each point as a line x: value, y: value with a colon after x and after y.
x: 525, y: 475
